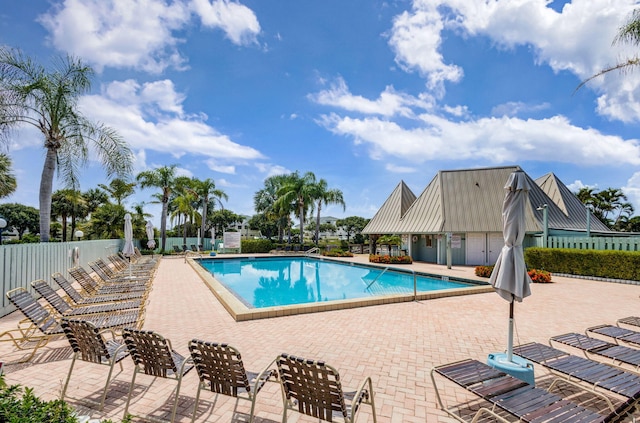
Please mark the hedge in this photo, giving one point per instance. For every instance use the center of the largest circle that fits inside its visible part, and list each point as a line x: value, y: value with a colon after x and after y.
x: 599, y: 263
x: 256, y: 245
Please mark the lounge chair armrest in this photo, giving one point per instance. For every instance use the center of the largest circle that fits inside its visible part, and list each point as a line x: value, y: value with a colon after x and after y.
x: 366, y: 383
x: 266, y: 375
x: 109, y: 331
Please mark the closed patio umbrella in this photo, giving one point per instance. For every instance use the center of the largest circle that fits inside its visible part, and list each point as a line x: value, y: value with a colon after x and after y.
x: 151, y: 243
x: 128, y: 250
x: 509, y: 277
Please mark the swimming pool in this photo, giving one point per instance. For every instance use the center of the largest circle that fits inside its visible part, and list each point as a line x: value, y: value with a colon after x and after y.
x: 258, y: 287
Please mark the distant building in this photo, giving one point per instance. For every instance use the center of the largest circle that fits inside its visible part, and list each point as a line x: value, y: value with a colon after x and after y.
x: 467, y: 206
x: 339, y: 233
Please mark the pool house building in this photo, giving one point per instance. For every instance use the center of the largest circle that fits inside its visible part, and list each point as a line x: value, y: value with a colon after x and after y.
x: 460, y: 212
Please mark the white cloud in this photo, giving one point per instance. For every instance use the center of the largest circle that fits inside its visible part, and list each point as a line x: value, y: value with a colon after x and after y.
x: 238, y: 22
x: 271, y: 170
x: 134, y: 33
x: 150, y: 116
x: 389, y: 103
x: 496, y: 140
x: 577, y: 39
x: 217, y: 167
x: 399, y: 169
x: 632, y: 189
x: 140, y: 34
x: 577, y: 185
x: 515, y: 108
x: 416, y: 40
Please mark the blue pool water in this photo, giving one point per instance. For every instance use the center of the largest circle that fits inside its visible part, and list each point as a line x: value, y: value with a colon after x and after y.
x: 279, y: 281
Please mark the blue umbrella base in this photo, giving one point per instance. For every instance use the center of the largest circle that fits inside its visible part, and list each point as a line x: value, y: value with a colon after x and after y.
x: 517, y: 367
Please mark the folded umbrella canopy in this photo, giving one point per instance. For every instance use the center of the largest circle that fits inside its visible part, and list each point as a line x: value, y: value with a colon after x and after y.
x: 509, y: 277
x: 151, y: 243
x: 128, y: 249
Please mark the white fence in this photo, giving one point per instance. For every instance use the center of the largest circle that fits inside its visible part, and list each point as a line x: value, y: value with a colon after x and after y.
x: 22, y: 263
x: 595, y: 243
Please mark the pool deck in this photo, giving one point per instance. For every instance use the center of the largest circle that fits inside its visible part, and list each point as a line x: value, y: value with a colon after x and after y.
x: 395, y: 344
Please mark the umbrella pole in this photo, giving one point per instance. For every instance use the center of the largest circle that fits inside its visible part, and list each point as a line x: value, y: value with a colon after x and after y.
x: 510, y: 335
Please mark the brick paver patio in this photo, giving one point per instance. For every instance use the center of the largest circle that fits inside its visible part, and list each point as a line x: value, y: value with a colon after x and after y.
x: 395, y: 344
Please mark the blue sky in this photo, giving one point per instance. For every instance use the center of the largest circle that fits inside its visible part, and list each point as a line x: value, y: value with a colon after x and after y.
x: 362, y: 93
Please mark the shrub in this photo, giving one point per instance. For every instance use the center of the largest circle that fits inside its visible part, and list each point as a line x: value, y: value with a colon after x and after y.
x: 256, y: 245
x: 599, y: 263
x: 484, y: 271
x: 336, y: 252
x: 376, y: 258
x: 19, y: 404
x: 539, y: 276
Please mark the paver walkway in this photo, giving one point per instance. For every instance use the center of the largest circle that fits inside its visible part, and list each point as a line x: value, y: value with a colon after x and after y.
x: 395, y: 344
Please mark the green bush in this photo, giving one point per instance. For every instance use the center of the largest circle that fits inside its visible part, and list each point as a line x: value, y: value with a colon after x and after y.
x: 598, y: 263
x: 256, y: 245
x: 20, y: 405
x: 376, y: 258
x: 336, y: 252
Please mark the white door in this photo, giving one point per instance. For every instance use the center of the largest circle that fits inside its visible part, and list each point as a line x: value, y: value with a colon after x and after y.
x: 496, y: 242
x: 476, y: 249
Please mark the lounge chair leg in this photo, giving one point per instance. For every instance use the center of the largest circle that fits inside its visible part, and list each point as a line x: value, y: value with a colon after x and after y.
x: 175, y: 405
x: 66, y: 383
x: 106, y: 385
x: 126, y: 407
x: 371, y: 402
x: 195, y: 407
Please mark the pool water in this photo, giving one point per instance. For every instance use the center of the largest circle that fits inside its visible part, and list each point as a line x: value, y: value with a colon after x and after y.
x: 280, y: 281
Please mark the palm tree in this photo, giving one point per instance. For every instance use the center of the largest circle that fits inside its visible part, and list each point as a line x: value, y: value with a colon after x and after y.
x: 119, y: 189
x: 67, y: 203
x: 323, y: 195
x: 48, y: 100
x: 94, y: 198
x: 265, y: 199
x: 206, y: 192
x: 163, y: 178
x: 629, y: 33
x: 7, y: 179
x: 297, y: 192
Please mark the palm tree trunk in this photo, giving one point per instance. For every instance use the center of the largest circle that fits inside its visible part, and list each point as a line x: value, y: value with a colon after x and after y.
x: 301, y: 207
x: 64, y: 227
x: 184, y: 231
x: 318, y: 223
x: 163, y: 223
x: 204, y: 219
x: 46, y: 190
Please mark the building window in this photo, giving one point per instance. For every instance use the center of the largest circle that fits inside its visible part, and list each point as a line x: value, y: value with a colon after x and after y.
x: 428, y: 241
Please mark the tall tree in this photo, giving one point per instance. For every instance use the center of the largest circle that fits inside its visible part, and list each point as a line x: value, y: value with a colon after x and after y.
x: 94, y: 198
x: 163, y: 178
x: 323, y: 195
x: 222, y: 219
x: 352, y: 225
x: 8, y: 182
x: 119, y: 189
x: 206, y: 193
x: 297, y: 191
x: 68, y: 203
x: 184, y: 203
x: 264, y: 202
x: 20, y: 217
x: 47, y: 99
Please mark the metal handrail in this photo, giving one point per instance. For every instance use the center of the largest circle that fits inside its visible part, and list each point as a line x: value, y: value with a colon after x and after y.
x: 311, y: 250
x: 376, y: 278
x: 186, y: 253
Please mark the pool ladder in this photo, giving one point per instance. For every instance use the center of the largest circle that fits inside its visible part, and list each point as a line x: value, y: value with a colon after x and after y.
x: 415, y: 281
